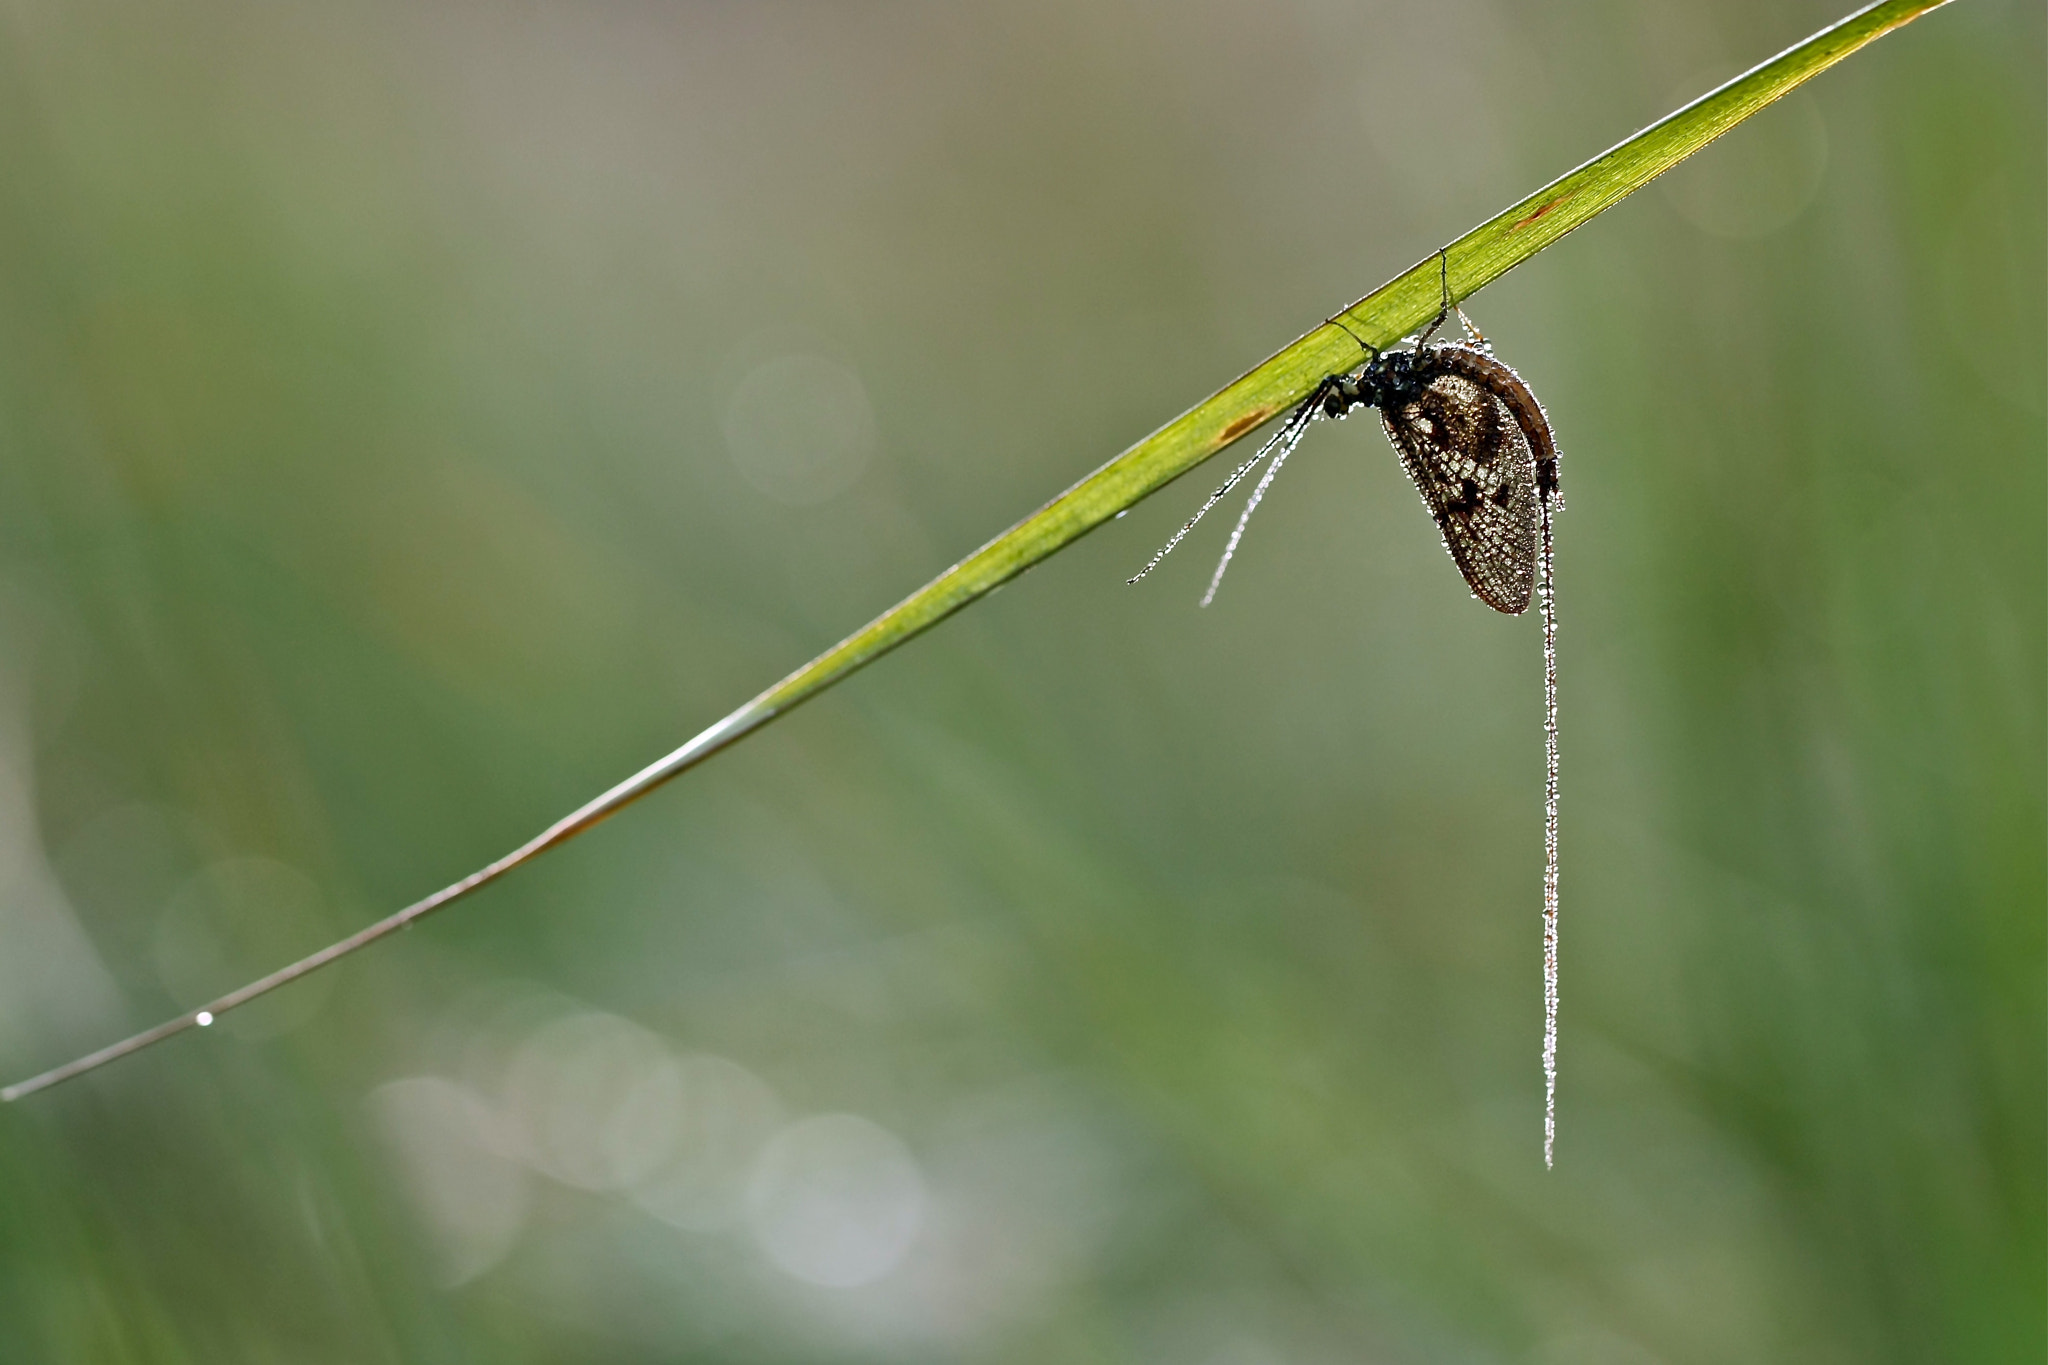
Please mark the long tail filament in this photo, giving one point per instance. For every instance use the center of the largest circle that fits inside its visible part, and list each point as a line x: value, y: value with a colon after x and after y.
x: 1548, y: 591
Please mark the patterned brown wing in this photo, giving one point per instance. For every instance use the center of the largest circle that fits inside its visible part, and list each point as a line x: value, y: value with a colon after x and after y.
x: 1472, y: 439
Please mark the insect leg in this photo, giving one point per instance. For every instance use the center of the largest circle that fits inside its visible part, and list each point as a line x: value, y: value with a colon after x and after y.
x: 1372, y: 351
x: 1443, y: 273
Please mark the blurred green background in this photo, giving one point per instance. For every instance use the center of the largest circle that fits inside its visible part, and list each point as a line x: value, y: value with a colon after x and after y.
x: 415, y: 417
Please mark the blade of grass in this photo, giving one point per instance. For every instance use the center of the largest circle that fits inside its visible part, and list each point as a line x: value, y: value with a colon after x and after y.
x: 1381, y: 318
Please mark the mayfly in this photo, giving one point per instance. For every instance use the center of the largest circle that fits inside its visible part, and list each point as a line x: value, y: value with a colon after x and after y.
x: 1478, y: 446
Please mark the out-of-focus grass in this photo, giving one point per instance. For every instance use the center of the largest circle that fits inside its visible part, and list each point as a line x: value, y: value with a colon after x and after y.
x: 1191, y: 956
x: 816, y: 405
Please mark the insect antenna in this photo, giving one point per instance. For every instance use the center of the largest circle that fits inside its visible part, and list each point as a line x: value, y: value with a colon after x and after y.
x: 1283, y: 440
x: 1252, y: 505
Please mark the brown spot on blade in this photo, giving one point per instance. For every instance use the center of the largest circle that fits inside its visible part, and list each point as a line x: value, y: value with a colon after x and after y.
x: 1539, y: 211
x: 1243, y: 424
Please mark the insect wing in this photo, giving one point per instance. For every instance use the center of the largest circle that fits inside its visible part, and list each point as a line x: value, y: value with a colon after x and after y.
x: 1471, y: 439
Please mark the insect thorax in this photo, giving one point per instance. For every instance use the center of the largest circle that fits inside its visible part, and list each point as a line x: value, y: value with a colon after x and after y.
x: 1390, y: 380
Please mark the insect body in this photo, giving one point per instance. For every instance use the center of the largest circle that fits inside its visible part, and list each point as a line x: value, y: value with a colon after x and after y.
x: 1472, y: 437
x: 1477, y: 445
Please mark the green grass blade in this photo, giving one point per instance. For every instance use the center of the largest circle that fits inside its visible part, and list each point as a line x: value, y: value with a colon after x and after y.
x: 1380, y: 318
